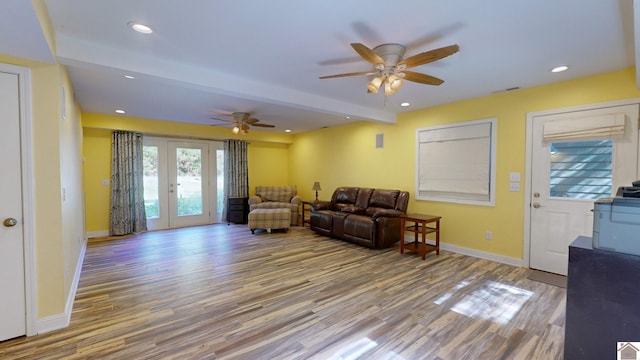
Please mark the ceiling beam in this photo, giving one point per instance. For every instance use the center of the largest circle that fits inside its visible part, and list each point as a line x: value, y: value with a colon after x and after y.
x: 81, y: 53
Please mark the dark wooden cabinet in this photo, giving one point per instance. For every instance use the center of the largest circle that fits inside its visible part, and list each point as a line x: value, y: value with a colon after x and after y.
x: 237, y: 210
x: 602, y: 301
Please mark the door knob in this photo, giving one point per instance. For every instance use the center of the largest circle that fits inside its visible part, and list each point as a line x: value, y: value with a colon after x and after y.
x: 9, y: 222
x: 536, y: 205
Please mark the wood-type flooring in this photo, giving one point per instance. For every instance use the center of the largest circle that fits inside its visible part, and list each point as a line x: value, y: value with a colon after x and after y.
x: 218, y: 292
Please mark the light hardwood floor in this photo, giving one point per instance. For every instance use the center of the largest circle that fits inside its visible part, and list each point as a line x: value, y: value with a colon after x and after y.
x: 218, y: 292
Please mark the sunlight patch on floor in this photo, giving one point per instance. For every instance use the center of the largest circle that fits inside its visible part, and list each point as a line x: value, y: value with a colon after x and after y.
x: 493, y: 301
x: 355, y: 350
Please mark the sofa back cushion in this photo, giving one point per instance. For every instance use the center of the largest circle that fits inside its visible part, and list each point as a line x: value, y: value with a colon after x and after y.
x: 345, y: 195
x: 403, y: 201
x: 384, y: 198
x: 364, y: 195
x: 276, y: 193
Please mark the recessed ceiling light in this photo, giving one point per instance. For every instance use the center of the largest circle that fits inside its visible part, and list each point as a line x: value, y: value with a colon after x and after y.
x: 560, y: 69
x: 129, y: 77
x: 141, y: 28
x: 287, y: 130
x: 120, y: 111
x: 405, y: 104
x: 348, y: 117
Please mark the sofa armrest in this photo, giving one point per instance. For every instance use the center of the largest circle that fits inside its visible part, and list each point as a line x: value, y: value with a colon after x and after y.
x: 391, y: 213
x: 320, y: 205
x: 255, y: 200
x: 296, y: 200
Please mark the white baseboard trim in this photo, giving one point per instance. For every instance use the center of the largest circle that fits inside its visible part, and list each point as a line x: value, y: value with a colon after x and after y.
x: 95, y: 234
x: 61, y: 321
x: 475, y: 253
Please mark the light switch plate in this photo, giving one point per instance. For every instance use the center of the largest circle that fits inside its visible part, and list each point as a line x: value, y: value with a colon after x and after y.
x: 514, y: 176
x: 514, y: 186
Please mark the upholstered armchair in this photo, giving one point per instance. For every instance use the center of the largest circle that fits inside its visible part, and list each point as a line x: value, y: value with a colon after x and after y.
x: 273, y: 197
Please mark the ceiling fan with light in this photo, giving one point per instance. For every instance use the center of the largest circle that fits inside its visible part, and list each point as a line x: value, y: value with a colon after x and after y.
x: 241, y: 121
x: 390, y: 67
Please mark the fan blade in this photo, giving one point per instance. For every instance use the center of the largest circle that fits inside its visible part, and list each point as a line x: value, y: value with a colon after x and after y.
x: 368, y: 54
x: 348, y: 74
x: 422, y: 78
x: 251, y: 121
x: 428, y: 56
x: 263, y: 125
x: 223, y: 120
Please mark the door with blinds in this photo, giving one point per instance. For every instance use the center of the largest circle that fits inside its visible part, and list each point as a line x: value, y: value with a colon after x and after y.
x: 577, y: 158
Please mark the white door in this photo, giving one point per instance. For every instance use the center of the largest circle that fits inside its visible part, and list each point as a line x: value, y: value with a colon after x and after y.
x: 12, y: 276
x: 568, y: 175
x: 179, y: 190
x: 188, y: 184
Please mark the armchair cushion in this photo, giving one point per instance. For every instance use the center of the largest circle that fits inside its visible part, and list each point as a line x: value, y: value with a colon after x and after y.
x: 274, y: 197
x: 276, y: 193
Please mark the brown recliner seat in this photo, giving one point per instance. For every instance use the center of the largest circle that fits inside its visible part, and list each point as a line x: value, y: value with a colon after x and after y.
x: 365, y: 216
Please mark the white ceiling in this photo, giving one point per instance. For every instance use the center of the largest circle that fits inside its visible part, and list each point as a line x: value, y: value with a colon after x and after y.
x: 265, y: 57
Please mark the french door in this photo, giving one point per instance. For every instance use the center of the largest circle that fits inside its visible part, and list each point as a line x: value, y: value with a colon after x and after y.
x: 180, y: 185
x: 568, y: 175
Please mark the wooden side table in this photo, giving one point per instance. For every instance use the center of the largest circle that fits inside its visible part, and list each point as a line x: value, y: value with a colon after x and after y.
x: 306, y: 205
x: 419, y: 226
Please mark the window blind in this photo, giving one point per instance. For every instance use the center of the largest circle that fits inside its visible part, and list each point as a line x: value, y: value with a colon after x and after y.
x: 454, y: 162
x: 608, y: 125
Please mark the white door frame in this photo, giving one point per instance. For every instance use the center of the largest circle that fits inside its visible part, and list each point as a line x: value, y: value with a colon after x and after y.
x: 163, y: 145
x: 28, y: 216
x: 529, y: 158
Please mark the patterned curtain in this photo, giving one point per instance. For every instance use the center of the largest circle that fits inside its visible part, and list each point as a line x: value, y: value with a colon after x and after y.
x: 127, y: 193
x: 236, y: 171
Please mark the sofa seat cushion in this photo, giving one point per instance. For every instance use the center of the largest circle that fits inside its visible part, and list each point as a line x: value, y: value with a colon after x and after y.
x: 360, y: 226
x: 322, y: 219
x: 349, y: 208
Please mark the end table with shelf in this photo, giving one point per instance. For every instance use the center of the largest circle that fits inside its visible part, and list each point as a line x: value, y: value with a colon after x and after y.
x: 419, y: 226
x: 237, y: 210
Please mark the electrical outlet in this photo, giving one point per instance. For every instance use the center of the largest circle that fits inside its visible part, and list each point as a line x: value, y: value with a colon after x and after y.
x: 488, y: 235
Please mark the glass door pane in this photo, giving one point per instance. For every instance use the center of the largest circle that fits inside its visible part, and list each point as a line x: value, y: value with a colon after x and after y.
x: 151, y: 194
x: 581, y: 169
x: 220, y: 180
x: 189, y: 185
x: 189, y: 201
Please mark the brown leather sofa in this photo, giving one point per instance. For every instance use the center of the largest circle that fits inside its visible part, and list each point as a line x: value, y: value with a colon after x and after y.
x: 367, y: 217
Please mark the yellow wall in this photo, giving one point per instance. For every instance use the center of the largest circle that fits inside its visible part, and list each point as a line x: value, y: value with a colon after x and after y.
x: 267, y: 156
x: 346, y: 156
x: 59, y: 233
x: 48, y: 201
x: 96, y: 150
x: 71, y: 181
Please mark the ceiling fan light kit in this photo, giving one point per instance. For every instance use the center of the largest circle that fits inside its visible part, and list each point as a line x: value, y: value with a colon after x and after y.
x: 241, y: 122
x: 390, y: 66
